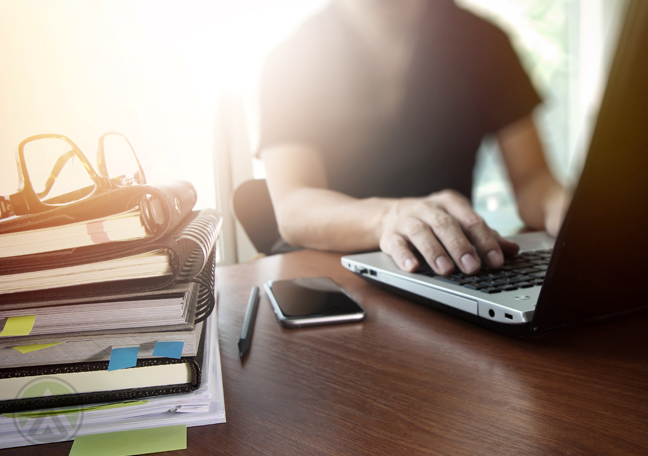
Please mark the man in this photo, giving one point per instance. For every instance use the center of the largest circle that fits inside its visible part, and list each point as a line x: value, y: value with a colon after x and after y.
x: 371, y: 118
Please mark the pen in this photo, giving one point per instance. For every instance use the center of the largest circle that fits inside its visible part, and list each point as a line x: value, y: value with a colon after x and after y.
x: 248, y: 322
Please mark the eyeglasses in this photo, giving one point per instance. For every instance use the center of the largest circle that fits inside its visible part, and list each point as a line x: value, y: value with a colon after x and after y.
x: 53, y: 172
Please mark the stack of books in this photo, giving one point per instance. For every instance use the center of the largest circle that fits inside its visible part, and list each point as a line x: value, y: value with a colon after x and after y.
x: 109, y: 318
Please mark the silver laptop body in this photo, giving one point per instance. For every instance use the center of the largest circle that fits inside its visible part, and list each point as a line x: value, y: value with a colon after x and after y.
x: 513, y: 307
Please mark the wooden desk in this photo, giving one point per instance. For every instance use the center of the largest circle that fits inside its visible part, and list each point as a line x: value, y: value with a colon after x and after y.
x: 410, y: 380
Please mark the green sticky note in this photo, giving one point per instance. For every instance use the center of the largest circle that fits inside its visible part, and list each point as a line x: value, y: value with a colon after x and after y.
x: 123, y: 443
x: 32, y: 348
x: 18, y: 326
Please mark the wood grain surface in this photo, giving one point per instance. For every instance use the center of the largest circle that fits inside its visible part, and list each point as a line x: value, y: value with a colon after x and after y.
x: 410, y: 380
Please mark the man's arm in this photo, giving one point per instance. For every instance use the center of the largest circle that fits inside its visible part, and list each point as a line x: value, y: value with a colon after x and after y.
x: 311, y: 215
x: 541, y: 200
x: 442, y: 226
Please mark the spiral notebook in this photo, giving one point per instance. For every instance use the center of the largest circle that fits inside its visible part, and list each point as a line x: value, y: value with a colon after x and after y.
x: 185, y: 256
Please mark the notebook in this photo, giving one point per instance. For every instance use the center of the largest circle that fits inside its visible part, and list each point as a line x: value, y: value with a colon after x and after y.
x: 595, y: 269
x: 21, y: 388
x: 99, y: 270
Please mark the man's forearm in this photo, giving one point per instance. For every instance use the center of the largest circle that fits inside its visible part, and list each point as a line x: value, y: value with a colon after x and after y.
x: 323, y: 219
x: 540, y: 203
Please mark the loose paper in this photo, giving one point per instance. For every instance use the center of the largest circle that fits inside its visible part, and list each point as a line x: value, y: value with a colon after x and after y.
x: 18, y: 326
x: 141, y: 441
x: 168, y: 349
x: 122, y: 358
x: 31, y: 348
x: 70, y: 410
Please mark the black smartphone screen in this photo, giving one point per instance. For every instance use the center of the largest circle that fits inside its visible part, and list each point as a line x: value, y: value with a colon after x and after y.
x: 312, y: 297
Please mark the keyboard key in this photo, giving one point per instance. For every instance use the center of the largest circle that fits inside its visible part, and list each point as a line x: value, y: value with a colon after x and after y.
x: 476, y: 286
x: 517, y: 280
x: 539, y: 274
x: 497, y: 275
x: 451, y: 279
x: 513, y: 274
x: 459, y: 276
x: 516, y: 260
x: 541, y: 262
x: 491, y: 290
x: 525, y: 284
x: 508, y: 288
x: 516, y: 266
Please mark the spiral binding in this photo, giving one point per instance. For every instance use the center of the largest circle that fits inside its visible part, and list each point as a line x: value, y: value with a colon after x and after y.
x: 197, y: 243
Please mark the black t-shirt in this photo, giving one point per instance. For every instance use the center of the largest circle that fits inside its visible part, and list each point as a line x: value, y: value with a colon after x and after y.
x: 465, y: 82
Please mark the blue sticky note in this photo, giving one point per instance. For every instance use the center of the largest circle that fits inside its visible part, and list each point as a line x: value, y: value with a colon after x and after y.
x: 122, y: 358
x: 168, y: 349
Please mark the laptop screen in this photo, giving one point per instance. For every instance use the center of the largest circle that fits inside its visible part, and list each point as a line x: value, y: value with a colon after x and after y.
x: 601, y: 254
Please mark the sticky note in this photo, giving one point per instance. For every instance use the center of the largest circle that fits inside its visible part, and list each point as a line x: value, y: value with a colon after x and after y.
x: 168, y: 349
x: 34, y: 347
x: 18, y: 326
x: 122, y: 358
x: 122, y: 443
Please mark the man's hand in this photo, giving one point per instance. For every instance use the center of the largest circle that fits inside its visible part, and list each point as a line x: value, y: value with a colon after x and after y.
x: 444, y: 228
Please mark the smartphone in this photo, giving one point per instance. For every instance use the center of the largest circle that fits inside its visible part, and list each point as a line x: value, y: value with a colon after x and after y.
x: 312, y: 301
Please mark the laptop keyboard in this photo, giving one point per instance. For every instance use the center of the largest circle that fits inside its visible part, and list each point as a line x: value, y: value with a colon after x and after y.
x: 524, y: 270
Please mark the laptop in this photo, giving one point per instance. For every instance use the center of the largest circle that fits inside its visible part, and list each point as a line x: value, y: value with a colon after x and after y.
x: 597, y: 267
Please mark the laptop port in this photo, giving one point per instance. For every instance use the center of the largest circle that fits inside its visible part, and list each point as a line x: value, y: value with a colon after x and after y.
x: 491, y: 312
x: 509, y: 316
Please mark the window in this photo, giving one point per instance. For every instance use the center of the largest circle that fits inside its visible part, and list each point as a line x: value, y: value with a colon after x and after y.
x: 565, y: 46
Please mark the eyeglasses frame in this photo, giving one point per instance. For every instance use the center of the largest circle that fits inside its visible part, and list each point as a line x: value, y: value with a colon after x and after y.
x: 26, y: 201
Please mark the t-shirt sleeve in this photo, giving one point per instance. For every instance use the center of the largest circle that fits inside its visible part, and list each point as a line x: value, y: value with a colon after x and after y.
x: 506, y: 90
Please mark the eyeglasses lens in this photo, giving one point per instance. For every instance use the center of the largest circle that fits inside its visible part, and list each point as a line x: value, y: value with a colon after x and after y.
x: 57, y: 175
x: 121, y: 163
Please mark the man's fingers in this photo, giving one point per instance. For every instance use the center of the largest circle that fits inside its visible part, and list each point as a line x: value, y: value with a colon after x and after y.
x: 421, y: 236
x: 509, y: 248
x: 396, y: 246
x: 476, y: 230
x: 448, y: 231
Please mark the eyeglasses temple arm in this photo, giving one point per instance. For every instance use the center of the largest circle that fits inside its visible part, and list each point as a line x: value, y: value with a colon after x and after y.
x: 56, y: 170
x: 5, y: 208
